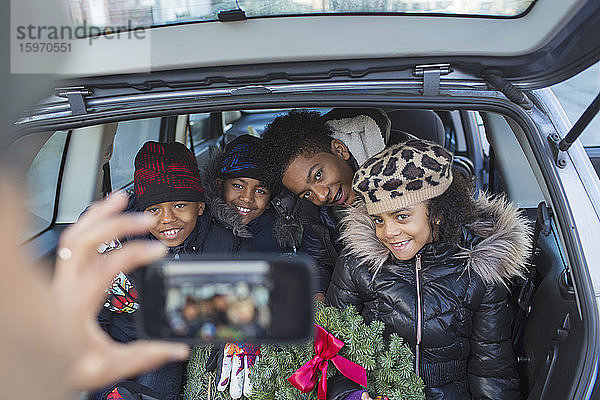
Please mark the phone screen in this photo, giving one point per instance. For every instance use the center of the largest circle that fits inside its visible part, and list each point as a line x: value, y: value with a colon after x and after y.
x: 228, y: 301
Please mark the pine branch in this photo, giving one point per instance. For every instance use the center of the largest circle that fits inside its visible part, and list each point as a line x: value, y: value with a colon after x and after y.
x: 389, y: 363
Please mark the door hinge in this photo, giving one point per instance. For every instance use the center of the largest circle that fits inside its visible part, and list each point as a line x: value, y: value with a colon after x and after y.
x: 75, y: 95
x: 560, y: 146
x: 560, y: 157
x: 431, y: 77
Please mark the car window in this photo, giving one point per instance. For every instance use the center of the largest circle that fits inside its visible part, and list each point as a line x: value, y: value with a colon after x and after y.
x: 42, y: 182
x: 130, y: 137
x: 454, y: 133
x: 485, y: 145
x: 575, y: 95
x: 200, y: 127
x: 152, y: 13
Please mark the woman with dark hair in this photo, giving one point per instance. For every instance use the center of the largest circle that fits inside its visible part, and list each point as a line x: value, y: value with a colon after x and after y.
x: 433, y: 264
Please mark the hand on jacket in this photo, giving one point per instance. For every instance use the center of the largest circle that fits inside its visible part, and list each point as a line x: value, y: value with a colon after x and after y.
x: 235, y: 369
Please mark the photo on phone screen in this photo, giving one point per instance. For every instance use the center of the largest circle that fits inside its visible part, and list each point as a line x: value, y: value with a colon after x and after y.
x: 207, y: 300
x: 229, y: 304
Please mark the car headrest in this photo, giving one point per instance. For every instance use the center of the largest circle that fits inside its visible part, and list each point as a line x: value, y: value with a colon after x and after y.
x: 424, y: 124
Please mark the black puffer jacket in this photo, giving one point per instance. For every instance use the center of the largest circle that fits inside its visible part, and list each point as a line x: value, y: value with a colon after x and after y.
x: 453, y: 296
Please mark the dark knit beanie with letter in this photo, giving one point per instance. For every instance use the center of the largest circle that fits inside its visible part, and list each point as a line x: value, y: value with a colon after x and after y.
x: 403, y: 175
x: 240, y: 159
x: 165, y: 172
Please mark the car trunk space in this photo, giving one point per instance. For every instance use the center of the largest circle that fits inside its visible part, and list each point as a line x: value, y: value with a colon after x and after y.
x: 495, y: 143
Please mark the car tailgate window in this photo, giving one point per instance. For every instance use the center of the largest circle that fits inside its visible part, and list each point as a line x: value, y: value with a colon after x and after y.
x: 42, y: 182
x: 130, y: 137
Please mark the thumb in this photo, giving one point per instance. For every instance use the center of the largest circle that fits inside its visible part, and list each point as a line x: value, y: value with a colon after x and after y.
x: 99, y: 369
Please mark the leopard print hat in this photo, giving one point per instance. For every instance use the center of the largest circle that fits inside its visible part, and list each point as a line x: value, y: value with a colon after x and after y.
x: 403, y: 175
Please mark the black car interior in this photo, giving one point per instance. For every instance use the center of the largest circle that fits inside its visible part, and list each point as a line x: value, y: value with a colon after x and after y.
x: 547, y: 323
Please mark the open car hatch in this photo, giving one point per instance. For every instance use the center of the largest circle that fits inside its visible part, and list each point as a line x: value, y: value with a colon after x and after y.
x: 551, y: 41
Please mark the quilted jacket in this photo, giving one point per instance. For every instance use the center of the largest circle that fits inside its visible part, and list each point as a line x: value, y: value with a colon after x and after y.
x: 449, y: 302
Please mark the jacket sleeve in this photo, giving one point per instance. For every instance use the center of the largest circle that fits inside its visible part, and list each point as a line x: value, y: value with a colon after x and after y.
x: 492, y: 370
x: 343, y: 290
x: 298, y: 224
x: 312, y: 246
x: 318, y: 242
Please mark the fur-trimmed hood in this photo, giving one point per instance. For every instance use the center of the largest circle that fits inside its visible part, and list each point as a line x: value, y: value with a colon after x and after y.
x: 220, y: 210
x: 500, y: 253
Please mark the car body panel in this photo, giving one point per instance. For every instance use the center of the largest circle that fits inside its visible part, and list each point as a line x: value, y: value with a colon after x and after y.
x: 577, y: 218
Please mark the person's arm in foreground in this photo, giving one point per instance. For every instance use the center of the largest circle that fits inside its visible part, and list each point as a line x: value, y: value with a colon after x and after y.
x: 50, y: 342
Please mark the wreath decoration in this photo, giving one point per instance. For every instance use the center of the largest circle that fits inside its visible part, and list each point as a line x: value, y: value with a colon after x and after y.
x: 388, y: 362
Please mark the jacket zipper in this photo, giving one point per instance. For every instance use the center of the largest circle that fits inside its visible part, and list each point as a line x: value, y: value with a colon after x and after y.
x: 419, y: 314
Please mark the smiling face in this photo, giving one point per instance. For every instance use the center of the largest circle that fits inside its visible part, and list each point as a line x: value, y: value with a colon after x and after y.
x: 174, y: 220
x: 324, y: 179
x: 247, y: 196
x: 404, y: 231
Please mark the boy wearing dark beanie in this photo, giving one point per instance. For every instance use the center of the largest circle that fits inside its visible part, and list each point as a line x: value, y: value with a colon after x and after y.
x: 167, y: 185
x: 242, y: 180
x: 238, y: 197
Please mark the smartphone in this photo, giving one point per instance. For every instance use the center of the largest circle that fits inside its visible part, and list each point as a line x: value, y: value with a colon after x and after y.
x: 227, y: 300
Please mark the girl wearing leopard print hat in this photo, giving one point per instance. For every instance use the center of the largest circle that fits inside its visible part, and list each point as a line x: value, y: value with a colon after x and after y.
x: 433, y: 263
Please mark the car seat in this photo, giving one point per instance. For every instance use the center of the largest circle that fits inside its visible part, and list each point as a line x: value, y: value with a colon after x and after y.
x: 427, y: 125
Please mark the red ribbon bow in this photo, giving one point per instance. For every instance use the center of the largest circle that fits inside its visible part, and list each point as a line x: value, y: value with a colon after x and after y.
x: 326, y: 348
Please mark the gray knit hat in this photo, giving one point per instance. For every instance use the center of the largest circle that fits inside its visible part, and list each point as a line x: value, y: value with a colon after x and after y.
x: 403, y: 175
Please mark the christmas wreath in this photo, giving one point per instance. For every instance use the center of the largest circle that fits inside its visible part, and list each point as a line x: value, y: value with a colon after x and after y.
x: 388, y: 363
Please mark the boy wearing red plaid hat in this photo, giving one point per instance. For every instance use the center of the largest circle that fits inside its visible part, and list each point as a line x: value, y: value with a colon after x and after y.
x: 167, y: 185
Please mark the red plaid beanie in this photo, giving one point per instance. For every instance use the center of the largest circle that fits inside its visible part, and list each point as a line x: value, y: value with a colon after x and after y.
x: 165, y: 172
